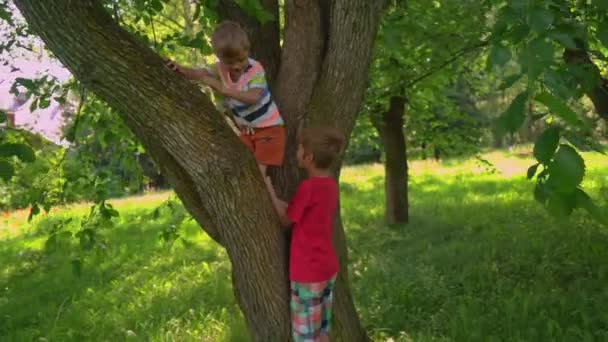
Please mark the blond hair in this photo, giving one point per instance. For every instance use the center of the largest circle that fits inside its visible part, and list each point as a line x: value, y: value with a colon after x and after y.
x: 230, y: 41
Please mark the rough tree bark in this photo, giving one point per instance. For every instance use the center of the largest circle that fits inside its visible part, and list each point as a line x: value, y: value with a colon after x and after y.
x: 390, y: 128
x: 320, y: 79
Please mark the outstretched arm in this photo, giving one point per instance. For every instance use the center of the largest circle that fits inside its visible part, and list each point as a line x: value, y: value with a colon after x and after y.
x: 279, y: 205
x: 189, y: 73
x: 249, y: 97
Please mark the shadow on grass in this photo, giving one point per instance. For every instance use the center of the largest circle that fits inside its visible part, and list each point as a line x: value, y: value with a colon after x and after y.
x: 480, y: 260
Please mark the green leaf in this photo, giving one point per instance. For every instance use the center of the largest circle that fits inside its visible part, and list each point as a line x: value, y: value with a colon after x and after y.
x: 77, y: 267
x: 601, y: 4
x: 561, y: 205
x: 584, y: 201
x: 44, y: 102
x: 541, y: 19
x: 5, y: 14
x: 499, y: 56
x: 510, y: 81
x: 567, y: 170
x: 157, y: 5
x: 565, y: 39
x: 602, y: 33
x: 512, y: 119
x: 34, y: 106
x: 50, y: 245
x: 546, y: 144
x: 107, y: 211
x: 518, y: 4
x: 26, y: 83
x: 583, y: 143
x: 3, y: 117
x: 540, y: 192
x: 7, y: 171
x: 22, y: 151
x: 559, y: 108
x: 532, y: 171
x: 556, y: 82
x: 255, y: 9
x: 197, y: 10
x: 543, y: 50
x: 87, y: 238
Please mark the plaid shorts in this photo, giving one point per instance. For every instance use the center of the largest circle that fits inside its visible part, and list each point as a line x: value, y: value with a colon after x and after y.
x: 311, y: 309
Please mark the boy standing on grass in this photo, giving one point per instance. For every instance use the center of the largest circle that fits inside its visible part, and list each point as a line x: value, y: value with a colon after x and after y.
x: 313, y: 264
x: 242, y: 82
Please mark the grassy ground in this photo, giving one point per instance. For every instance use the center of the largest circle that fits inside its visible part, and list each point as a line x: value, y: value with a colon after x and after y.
x: 480, y: 261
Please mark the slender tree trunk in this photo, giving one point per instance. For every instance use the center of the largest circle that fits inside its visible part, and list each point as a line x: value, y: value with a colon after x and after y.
x: 396, y: 204
x: 213, y: 174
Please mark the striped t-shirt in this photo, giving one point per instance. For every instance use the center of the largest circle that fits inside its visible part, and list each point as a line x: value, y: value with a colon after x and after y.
x: 265, y: 112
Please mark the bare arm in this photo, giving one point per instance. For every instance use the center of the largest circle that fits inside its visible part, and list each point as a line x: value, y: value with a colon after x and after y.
x: 279, y: 205
x: 249, y: 97
x: 193, y: 73
x: 189, y: 73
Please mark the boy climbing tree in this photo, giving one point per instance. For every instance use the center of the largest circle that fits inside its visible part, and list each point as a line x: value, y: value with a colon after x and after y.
x: 242, y: 82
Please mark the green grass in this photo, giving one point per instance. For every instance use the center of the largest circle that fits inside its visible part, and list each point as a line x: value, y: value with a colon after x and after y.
x: 480, y: 261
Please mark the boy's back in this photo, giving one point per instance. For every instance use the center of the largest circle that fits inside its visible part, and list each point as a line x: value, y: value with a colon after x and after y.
x: 312, y: 210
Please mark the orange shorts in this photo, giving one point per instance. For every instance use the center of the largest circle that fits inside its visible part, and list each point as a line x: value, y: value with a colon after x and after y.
x: 267, y: 144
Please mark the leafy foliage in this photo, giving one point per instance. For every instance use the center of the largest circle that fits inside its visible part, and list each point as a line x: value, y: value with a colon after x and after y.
x: 537, y: 34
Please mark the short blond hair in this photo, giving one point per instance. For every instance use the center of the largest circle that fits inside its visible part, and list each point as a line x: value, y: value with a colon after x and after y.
x: 230, y: 41
x: 324, y: 143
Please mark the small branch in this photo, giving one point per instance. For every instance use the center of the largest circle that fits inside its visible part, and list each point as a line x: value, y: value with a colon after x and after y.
x: 448, y: 61
x: 173, y: 21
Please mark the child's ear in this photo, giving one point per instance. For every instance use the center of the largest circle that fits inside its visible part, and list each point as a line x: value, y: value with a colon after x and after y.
x: 309, y: 157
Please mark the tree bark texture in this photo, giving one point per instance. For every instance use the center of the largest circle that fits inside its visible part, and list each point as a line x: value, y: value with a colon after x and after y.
x: 320, y: 80
x: 390, y: 127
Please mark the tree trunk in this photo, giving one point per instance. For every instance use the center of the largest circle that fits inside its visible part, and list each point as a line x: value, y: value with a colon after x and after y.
x: 396, y: 205
x: 213, y: 174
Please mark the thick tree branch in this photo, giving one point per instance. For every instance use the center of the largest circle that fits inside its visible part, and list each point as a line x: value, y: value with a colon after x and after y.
x: 352, y: 31
x: 304, y: 41
x: 265, y: 39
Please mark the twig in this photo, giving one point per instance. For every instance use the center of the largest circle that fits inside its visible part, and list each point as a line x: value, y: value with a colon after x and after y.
x: 59, y: 311
x: 154, y: 33
x: 445, y: 63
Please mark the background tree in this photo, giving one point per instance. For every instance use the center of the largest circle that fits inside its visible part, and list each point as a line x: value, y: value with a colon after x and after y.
x: 416, y: 58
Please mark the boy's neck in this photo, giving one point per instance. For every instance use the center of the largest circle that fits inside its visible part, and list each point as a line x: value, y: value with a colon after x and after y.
x: 315, y: 172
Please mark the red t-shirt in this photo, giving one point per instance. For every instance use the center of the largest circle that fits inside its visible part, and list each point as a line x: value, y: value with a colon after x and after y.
x: 312, y: 209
